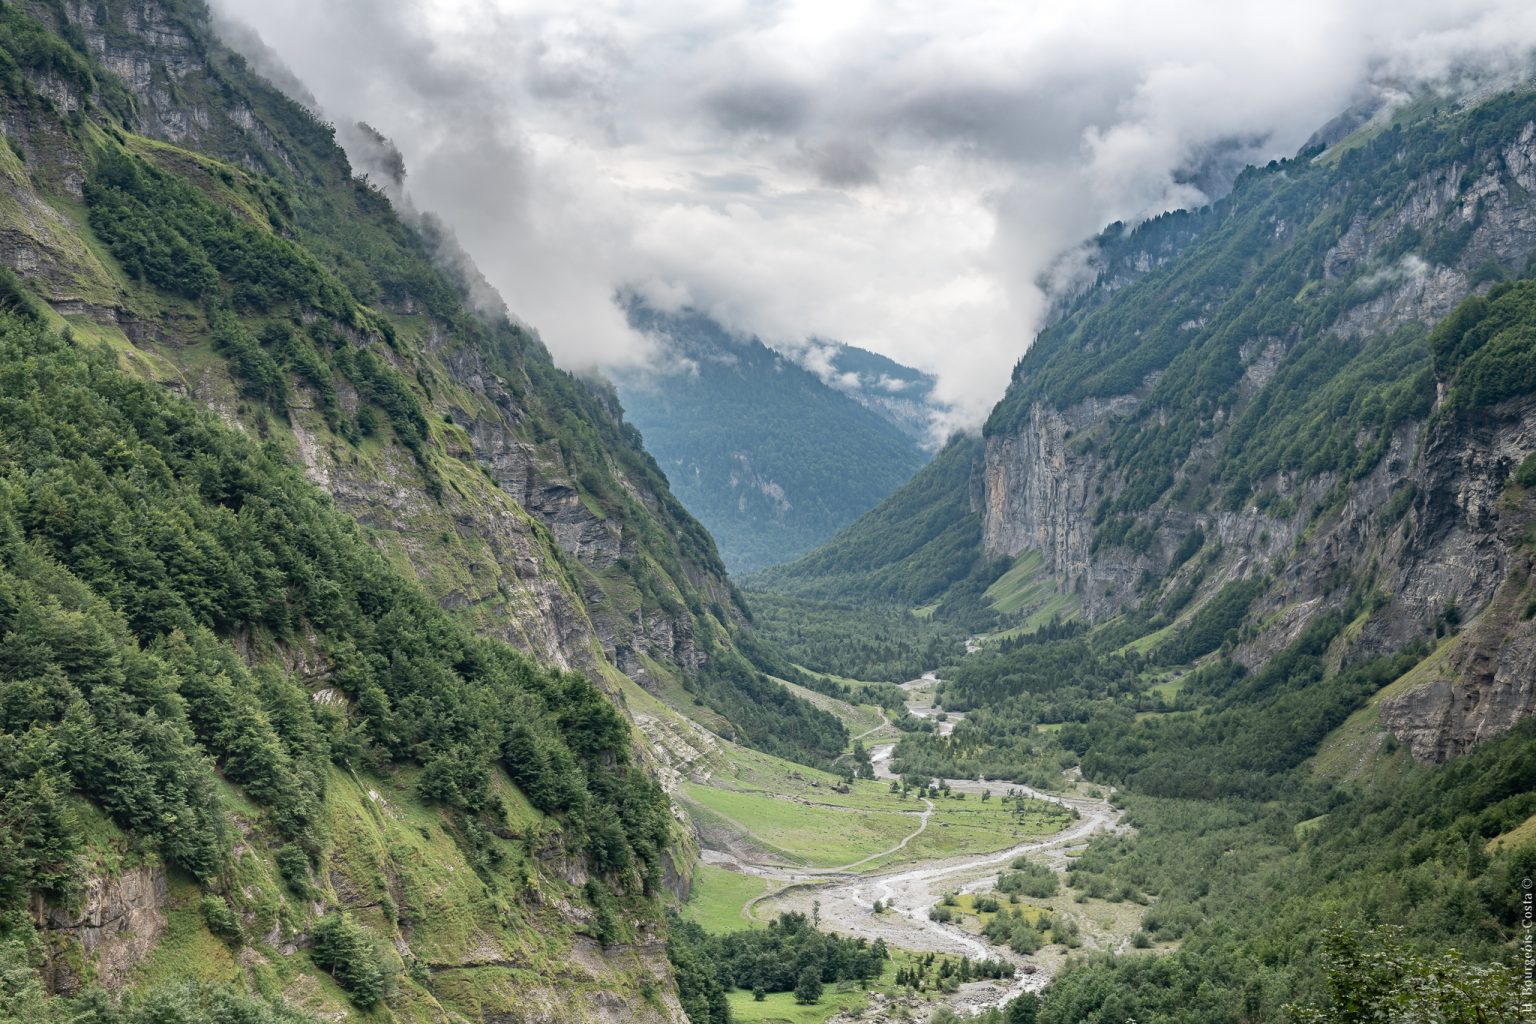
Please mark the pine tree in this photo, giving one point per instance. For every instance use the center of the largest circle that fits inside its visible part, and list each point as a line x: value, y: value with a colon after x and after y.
x: 808, y: 987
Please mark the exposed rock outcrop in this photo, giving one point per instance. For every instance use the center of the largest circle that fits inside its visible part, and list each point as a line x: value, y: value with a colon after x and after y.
x: 119, y: 920
x: 1431, y: 527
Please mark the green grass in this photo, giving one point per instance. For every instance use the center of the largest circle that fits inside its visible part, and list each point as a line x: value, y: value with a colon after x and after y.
x: 1358, y: 747
x: 717, y: 897
x: 663, y: 683
x: 1303, y: 829
x: 1028, y: 591
x: 858, y: 719
x: 1407, y: 114
x: 1143, y: 644
x: 970, y: 826
x: 817, y: 836
x: 781, y: 1008
x: 1523, y: 834
x: 186, y: 950
x: 793, y: 815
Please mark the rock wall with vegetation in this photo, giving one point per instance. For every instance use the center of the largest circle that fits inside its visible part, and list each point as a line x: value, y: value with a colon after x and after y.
x: 1291, y: 399
x: 318, y: 582
x: 1251, y: 538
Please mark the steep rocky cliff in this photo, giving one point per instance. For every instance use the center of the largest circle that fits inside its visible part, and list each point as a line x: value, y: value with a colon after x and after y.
x: 191, y: 92
x: 167, y: 208
x: 1257, y: 384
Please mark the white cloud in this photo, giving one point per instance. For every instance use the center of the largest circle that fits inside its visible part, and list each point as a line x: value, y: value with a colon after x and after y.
x: 895, y: 175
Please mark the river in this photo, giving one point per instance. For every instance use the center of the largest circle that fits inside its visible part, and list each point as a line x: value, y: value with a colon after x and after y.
x: 846, y: 897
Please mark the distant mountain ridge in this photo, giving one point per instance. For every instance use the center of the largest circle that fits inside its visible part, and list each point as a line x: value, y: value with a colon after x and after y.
x: 897, y: 393
x: 1318, y: 389
x: 771, y: 455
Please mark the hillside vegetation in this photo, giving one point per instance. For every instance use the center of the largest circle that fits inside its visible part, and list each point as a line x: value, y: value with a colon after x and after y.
x: 769, y: 457
x: 915, y: 547
x: 316, y: 584
x: 1276, y: 464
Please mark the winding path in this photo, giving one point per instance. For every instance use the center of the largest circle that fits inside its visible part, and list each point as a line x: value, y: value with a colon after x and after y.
x: 846, y: 898
x: 885, y: 723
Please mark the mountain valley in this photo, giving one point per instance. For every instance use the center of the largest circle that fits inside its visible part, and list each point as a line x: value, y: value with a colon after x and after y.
x: 358, y: 662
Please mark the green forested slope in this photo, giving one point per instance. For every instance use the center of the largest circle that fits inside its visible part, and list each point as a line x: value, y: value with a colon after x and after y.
x: 771, y: 459
x: 252, y: 269
x: 910, y: 548
x: 291, y: 544
x: 1264, y: 265
x: 139, y: 533
x: 1276, y: 782
x: 156, y: 570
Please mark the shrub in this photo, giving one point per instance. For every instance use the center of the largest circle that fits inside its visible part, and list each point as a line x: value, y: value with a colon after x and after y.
x: 808, y: 987
x: 350, y: 954
x: 1525, y: 475
x: 1027, y: 879
x: 222, y: 920
x: 294, y: 867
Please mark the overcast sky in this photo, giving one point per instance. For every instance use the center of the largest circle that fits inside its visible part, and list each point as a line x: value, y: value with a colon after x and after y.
x: 896, y: 175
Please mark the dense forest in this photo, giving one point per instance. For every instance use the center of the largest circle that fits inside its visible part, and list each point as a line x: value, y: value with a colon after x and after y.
x: 921, y: 544
x: 1228, y: 815
x: 880, y: 643
x: 771, y: 459
x: 140, y: 538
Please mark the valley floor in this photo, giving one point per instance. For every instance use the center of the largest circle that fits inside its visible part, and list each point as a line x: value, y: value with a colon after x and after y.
x: 777, y: 837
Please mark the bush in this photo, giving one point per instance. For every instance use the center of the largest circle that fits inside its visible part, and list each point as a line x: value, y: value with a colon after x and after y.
x: 221, y: 920
x: 808, y: 987
x: 1027, y: 879
x: 352, y: 957
x: 294, y: 867
x: 1525, y: 475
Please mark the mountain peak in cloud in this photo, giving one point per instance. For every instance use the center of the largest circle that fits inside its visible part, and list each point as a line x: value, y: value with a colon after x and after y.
x: 910, y: 180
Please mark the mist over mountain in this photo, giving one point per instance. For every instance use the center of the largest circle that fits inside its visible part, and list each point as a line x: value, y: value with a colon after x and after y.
x: 898, y: 393
x: 773, y: 453
x: 365, y: 658
x: 918, y: 179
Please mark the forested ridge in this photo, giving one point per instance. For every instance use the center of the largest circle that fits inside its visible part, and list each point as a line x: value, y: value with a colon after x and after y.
x: 912, y: 548
x: 288, y: 555
x: 1287, y: 420
x: 768, y: 456
x: 155, y: 565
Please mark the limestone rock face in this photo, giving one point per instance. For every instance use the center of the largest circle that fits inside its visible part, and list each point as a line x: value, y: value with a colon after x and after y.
x: 1040, y: 492
x: 1431, y: 526
x: 1471, y: 551
x: 119, y: 920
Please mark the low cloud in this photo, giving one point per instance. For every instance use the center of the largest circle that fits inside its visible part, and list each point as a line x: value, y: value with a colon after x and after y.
x: 908, y: 178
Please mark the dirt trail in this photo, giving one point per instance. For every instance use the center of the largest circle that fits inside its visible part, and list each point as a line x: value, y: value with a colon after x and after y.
x: 846, y: 898
x: 885, y: 723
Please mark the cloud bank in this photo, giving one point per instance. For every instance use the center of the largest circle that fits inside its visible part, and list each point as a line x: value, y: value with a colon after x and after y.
x: 901, y: 176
